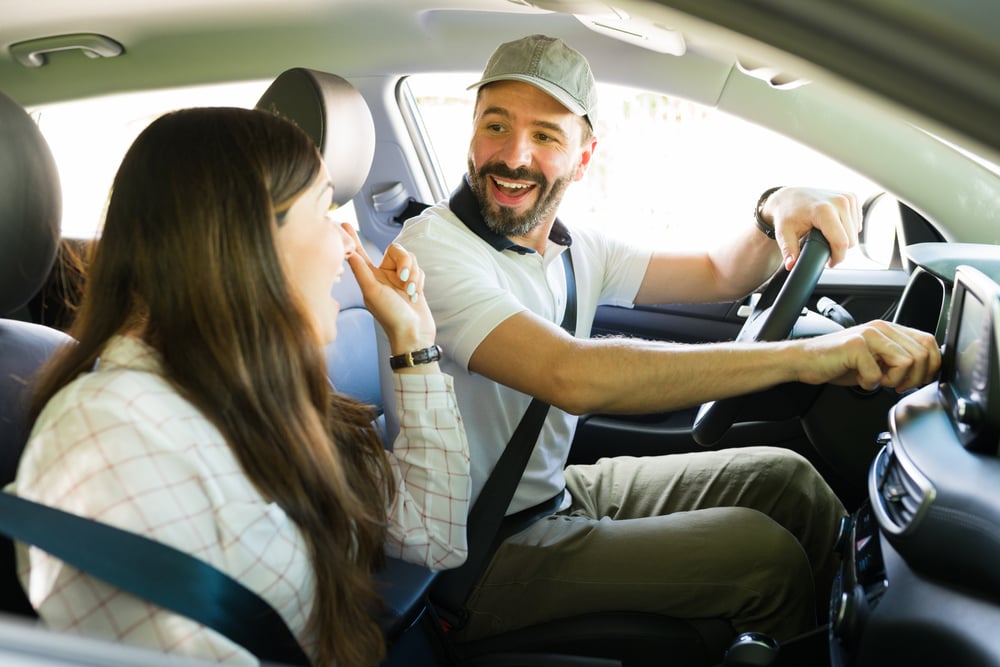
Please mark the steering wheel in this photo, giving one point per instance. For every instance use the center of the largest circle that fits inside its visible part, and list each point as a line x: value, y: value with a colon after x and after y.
x: 771, y: 318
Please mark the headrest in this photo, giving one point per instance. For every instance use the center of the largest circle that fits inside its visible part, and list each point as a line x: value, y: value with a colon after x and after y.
x: 335, y: 115
x: 30, y: 207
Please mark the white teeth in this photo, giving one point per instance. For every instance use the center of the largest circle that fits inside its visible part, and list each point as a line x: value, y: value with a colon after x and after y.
x: 508, y: 184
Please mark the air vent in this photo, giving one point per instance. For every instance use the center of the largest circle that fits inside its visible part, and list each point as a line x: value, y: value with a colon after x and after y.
x: 902, y: 495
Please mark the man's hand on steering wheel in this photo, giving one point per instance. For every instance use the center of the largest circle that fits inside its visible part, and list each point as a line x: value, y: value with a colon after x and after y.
x: 871, y: 355
x: 793, y: 212
x: 772, y: 318
x: 826, y: 224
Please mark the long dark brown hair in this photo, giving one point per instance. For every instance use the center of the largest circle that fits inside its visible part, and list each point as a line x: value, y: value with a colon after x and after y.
x: 187, y: 260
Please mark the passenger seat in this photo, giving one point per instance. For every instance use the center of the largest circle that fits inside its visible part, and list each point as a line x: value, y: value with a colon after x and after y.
x: 30, y: 222
x: 334, y: 113
x: 331, y: 111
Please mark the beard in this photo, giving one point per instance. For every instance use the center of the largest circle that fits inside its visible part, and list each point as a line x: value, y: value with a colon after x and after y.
x: 504, y: 220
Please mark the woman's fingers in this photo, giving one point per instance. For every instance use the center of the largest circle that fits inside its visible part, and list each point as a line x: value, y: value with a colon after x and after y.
x: 402, y: 265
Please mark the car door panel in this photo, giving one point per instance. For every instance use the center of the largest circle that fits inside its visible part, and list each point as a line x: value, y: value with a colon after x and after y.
x: 680, y: 323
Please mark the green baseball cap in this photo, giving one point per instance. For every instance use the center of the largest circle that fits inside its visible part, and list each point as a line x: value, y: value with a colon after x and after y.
x: 549, y: 64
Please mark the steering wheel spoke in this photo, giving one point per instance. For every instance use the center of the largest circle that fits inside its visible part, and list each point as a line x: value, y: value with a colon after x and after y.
x: 772, y: 317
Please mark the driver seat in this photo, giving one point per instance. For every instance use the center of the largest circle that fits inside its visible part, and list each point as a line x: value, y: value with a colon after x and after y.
x: 311, y: 98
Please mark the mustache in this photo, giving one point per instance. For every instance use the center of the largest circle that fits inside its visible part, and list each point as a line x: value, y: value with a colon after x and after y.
x: 519, y: 174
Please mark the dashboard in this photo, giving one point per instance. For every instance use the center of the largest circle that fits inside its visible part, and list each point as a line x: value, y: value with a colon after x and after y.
x: 919, y: 582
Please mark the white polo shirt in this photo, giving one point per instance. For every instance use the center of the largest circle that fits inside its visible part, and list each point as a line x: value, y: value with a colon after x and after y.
x: 474, y: 281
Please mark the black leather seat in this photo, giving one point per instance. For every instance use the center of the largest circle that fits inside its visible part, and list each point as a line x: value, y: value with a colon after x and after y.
x: 30, y: 217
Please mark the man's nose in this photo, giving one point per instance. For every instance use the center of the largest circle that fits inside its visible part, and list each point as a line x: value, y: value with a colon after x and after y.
x: 517, y: 151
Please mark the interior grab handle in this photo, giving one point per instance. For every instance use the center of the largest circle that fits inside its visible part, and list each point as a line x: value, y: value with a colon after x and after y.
x: 34, y: 52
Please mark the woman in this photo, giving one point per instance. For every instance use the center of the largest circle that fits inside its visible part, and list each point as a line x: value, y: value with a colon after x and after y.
x: 196, y: 409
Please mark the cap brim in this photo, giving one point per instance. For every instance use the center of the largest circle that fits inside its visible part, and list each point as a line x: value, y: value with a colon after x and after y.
x: 554, y: 91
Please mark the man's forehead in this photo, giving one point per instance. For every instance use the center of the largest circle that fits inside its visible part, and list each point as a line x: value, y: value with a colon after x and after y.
x: 516, y: 100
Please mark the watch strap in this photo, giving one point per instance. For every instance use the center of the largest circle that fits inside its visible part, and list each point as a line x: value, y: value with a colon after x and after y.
x: 758, y: 213
x: 416, y: 357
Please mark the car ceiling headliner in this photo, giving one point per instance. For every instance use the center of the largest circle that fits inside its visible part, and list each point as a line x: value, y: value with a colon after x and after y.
x: 180, y: 42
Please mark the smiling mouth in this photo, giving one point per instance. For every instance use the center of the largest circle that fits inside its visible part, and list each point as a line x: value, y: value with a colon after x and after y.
x: 511, y: 191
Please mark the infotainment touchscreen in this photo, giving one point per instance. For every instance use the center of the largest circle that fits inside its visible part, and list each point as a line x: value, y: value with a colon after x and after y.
x: 968, y: 376
x: 970, y: 385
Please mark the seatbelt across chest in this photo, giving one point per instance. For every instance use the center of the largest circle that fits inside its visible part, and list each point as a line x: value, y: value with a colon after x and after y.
x: 451, y: 589
x: 156, y: 572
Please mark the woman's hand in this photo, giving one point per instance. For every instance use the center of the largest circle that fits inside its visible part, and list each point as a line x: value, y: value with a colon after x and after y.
x: 393, y: 292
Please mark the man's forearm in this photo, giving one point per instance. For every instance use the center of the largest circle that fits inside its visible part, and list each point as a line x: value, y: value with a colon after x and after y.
x: 626, y: 375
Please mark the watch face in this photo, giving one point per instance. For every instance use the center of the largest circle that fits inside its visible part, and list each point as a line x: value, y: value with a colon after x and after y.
x: 427, y: 355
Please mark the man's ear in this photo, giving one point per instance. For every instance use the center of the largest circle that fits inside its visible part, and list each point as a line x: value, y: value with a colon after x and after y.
x: 588, y: 152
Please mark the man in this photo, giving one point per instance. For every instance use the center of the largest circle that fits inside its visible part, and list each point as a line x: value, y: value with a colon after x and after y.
x: 742, y: 534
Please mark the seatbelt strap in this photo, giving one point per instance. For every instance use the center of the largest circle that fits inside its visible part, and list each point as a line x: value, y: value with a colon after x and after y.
x: 452, y: 587
x: 156, y: 572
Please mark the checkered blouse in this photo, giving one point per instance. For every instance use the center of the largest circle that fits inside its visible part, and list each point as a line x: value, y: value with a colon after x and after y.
x: 122, y: 446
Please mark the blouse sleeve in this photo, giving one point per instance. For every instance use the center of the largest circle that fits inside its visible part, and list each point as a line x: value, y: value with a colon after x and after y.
x: 430, y: 464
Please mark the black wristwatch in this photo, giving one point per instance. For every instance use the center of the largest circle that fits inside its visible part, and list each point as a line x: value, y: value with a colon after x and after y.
x: 411, y: 359
x: 758, y: 213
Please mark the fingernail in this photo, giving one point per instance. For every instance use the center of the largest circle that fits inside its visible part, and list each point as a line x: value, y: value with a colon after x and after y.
x: 404, y: 275
x: 411, y: 289
x: 413, y: 298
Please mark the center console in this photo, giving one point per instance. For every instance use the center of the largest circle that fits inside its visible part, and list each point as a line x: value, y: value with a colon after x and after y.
x: 919, y: 581
x: 860, y: 585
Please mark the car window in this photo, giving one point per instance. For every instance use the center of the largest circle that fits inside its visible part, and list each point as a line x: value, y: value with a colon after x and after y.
x: 89, y: 138
x: 667, y: 172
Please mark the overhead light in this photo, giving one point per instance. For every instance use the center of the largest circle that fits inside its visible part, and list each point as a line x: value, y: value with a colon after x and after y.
x: 614, y: 22
x: 645, y: 34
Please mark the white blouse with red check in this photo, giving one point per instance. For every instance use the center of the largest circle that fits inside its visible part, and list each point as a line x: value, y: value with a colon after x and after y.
x: 120, y: 445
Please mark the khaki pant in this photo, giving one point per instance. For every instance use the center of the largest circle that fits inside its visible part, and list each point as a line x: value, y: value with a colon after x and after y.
x: 744, y: 534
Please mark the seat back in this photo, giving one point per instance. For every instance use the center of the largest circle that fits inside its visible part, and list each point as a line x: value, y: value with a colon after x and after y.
x: 337, y: 117
x: 352, y: 359
x: 30, y: 217
x: 332, y: 111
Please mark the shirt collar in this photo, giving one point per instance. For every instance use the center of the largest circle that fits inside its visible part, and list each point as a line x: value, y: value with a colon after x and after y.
x: 463, y: 203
